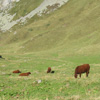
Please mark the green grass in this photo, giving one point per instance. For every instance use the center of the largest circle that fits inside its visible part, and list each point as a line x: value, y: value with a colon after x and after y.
x: 62, y: 40
x: 58, y: 86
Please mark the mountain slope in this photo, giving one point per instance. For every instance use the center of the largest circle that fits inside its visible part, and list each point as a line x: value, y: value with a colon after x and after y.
x: 73, y: 28
x: 23, y: 7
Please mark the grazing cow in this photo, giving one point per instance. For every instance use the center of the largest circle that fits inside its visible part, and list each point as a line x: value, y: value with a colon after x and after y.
x: 25, y: 74
x: 16, y: 71
x: 49, y: 70
x: 82, y: 69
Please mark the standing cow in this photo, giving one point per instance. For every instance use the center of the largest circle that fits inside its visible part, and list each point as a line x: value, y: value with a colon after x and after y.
x: 82, y: 69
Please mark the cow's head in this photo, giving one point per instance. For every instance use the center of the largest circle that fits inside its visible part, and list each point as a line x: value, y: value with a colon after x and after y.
x: 75, y: 75
x: 29, y: 72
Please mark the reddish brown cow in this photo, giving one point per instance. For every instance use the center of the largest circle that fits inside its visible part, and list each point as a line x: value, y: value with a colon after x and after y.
x: 25, y: 74
x: 82, y: 69
x: 16, y: 71
x: 49, y: 70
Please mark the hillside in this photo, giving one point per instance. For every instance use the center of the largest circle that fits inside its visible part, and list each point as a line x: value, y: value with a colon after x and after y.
x: 73, y: 27
x: 61, y: 39
x: 24, y: 7
x: 17, y: 13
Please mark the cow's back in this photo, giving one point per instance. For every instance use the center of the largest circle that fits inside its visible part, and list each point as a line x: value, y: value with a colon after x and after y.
x: 24, y: 74
x: 86, y: 67
x: 83, y: 68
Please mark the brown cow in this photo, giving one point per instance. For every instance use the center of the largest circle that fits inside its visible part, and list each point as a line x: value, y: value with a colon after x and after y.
x: 82, y: 69
x: 49, y: 70
x: 16, y: 71
x: 25, y: 74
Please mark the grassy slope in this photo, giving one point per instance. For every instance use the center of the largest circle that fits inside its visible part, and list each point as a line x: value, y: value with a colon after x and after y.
x: 66, y: 27
x: 64, y: 39
x: 23, y: 7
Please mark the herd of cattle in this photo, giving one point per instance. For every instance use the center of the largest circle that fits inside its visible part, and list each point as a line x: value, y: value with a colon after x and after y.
x: 22, y: 74
x: 78, y: 70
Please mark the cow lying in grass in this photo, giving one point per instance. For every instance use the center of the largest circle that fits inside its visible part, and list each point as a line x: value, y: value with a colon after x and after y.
x: 16, y: 71
x: 1, y: 57
x: 25, y: 74
x: 49, y: 70
x: 82, y: 69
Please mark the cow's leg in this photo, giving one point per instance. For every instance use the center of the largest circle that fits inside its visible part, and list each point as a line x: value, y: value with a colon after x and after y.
x: 80, y: 75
